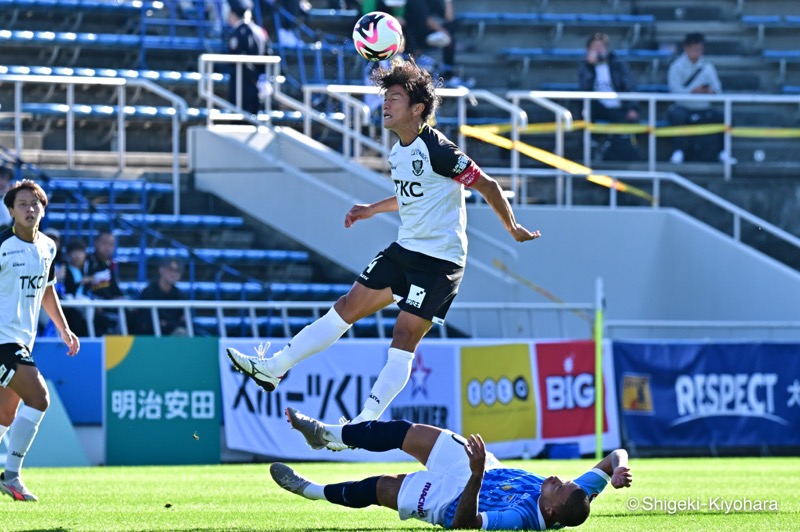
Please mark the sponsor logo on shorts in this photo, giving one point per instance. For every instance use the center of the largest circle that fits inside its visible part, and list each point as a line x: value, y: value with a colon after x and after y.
x: 421, y: 511
x: 415, y: 296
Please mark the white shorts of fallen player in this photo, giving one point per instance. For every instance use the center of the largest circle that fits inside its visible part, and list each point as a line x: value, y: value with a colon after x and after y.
x: 425, y: 495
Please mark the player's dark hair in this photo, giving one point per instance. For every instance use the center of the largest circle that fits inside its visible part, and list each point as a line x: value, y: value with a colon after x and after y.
x: 25, y: 184
x: 416, y: 81
x: 575, y: 509
x: 694, y: 38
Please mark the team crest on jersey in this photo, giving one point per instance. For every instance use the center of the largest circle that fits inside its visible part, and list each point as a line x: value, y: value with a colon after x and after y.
x: 416, y: 167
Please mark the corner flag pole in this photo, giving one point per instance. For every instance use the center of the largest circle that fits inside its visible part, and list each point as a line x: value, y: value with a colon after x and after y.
x: 598, y: 369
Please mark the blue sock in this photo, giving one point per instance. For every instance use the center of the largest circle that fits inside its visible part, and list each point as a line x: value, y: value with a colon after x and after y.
x: 357, y: 494
x: 376, y: 436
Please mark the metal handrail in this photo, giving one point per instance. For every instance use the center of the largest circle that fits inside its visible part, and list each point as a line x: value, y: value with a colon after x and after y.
x: 651, y: 99
x: 283, y: 307
x: 205, y: 84
x: 178, y: 103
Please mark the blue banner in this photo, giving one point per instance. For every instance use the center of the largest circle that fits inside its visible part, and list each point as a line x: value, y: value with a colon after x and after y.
x: 78, y: 379
x: 709, y: 394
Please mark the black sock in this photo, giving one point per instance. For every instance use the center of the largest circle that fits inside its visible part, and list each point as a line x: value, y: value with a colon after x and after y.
x: 376, y: 436
x: 357, y: 494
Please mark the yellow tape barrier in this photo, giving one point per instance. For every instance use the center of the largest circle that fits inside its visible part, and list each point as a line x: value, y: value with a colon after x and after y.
x: 555, y: 161
x: 664, y: 131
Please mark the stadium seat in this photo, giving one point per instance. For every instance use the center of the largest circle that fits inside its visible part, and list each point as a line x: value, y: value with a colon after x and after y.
x: 526, y: 55
x: 169, y: 220
x: 147, y: 112
x: 162, y: 77
x: 132, y: 6
x: 128, y: 254
x: 104, y: 185
x: 782, y: 57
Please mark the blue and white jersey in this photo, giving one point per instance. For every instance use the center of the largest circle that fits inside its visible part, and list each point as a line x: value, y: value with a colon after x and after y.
x: 509, y: 498
x: 26, y: 269
x: 429, y: 176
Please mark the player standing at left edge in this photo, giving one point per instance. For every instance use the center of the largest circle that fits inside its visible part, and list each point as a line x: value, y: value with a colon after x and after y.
x: 27, y: 284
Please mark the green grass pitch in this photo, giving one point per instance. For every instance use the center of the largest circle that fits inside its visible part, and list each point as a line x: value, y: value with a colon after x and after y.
x: 243, y: 497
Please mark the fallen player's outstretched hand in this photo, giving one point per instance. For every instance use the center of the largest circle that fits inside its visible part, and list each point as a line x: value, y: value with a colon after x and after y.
x: 622, y: 477
x: 476, y: 450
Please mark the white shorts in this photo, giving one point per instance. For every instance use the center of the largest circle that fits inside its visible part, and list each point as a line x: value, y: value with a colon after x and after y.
x: 425, y: 495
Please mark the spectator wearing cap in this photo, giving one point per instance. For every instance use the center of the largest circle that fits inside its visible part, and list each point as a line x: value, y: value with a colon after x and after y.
x: 6, y: 174
x: 171, y: 320
x: 247, y: 39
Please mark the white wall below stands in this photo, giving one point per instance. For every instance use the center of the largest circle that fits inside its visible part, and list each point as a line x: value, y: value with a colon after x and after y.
x: 656, y: 264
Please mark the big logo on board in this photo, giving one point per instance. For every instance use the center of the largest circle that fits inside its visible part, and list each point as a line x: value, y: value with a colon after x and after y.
x: 566, y: 381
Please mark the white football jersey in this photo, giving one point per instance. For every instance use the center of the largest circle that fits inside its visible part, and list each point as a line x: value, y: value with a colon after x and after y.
x: 26, y: 269
x: 429, y: 175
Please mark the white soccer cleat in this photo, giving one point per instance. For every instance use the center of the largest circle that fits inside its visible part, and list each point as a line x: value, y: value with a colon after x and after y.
x: 255, y: 367
x: 313, y: 431
x: 16, y: 489
x: 286, y: 478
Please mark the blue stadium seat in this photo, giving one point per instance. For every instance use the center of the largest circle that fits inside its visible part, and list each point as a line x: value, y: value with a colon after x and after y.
x: 526, y: 55
x: 126, y: 254
x: 133, y: 6
x: 274, y: 324
x: 168, y: 220
x: 783, y: 58
x: 111, y: 40
x: 146, y: 112
x: 309, y: 289
x: 104, y: 185
x: 163, y: 77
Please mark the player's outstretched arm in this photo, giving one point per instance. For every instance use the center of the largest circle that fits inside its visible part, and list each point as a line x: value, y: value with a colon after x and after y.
x: 615, y: 465
x: 493, y: 194
x: 467, y: 515
x: 362, y: 211
x: 52, y: 306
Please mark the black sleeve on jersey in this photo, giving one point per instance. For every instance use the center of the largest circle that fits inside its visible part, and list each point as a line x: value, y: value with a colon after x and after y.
x: 447, y: 159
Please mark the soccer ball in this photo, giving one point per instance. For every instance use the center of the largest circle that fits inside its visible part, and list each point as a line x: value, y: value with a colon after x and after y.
x: 377, y: 36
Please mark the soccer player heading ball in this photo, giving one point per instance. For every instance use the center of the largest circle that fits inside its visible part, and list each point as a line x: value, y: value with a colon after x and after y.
x: 423, y: 268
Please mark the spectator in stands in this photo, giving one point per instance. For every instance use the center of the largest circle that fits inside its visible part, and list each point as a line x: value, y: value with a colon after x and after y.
x: 422, y: 270
x: 603, y: 72
x: 690, y: 73
x: 6, y: 175
x: 76, y: 284
x: 430, y: 24
x: 103, y: 273
x: 171, y: 320
x: 248, y: 39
